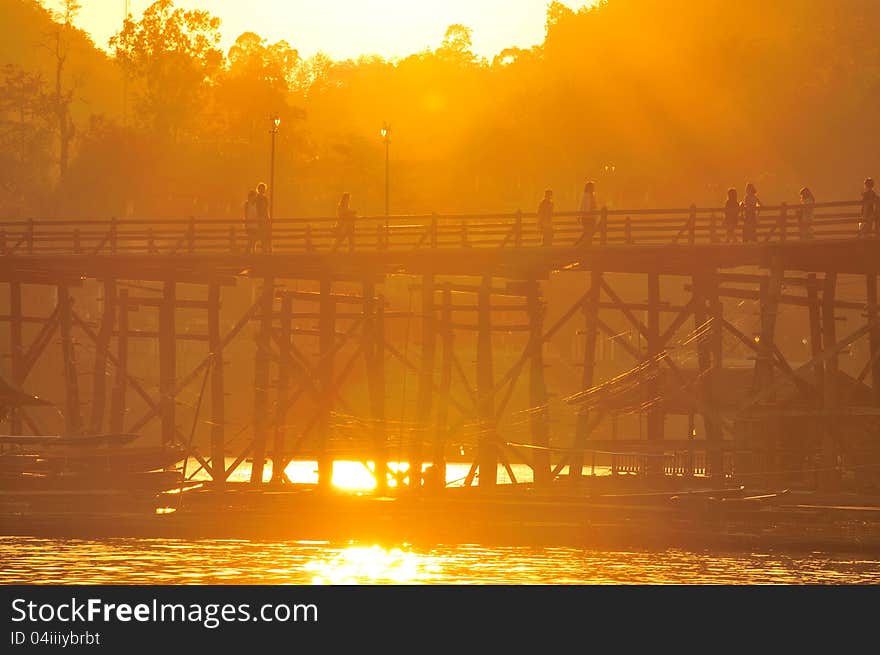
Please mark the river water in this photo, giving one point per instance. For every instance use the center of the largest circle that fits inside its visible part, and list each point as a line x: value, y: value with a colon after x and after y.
x: 169, y: 561
x: 164, y: 561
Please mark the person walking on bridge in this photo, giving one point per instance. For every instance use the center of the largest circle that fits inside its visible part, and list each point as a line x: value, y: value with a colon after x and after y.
x: 588, y: 214
x: 345, y: 216
x: 251, y: 222
x: 731, y: 215
x: 750, y: 206
x: 264, y: 225
x: 805, y: 219
x: 870, y: 216
x: 545, y: 218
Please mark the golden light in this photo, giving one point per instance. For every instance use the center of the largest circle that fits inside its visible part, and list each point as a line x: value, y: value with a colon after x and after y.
x: 276, y: 120
x: 370, y: 565
x: 385, y: 131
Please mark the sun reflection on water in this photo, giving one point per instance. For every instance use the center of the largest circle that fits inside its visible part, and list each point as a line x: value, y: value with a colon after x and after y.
x: 371, y: 565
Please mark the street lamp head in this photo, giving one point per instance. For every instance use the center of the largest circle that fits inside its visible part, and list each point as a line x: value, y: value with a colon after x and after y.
x: 276, y: 122
x: 385, y: 131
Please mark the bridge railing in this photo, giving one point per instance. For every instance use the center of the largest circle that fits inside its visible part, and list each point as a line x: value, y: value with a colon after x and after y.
x: 691, y: 225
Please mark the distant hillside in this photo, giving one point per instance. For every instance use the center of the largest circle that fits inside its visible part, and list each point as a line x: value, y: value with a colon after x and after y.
x: 27, y: 41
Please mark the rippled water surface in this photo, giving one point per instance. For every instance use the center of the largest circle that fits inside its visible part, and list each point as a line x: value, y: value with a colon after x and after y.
x: 167, y: 561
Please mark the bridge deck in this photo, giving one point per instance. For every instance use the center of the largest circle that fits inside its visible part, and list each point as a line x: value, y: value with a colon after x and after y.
x: 844, y: 256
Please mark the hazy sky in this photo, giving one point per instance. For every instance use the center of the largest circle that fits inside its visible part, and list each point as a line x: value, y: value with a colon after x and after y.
x: 348, y: 28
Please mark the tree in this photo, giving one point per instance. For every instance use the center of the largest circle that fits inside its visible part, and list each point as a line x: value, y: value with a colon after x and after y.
x: 457, y: 45
x: 63, y: 98
x: 25, y: 142
x: 172, y: 54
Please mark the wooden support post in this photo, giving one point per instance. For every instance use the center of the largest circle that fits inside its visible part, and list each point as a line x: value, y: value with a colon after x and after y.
x: 540, y: 415
x: 488, y: 450
x: 117, y: 398
x: 426, y: 382
x: 282, y: 398
x: 326, y: 329
x: 655, y: 419
x: 771, y: 290
x: 374, y: 354
x: 16, y: 346
x: 830, y: 475
x: 261, y: 381
x: 102, y: 346
x: 582, y: 425
x: 218, y: 412
x: 442, y: 417
x: 874, y: 334
x: 815, y: 330
x: 167, y: 362
x: 709, y: 359
x: 72, y: 418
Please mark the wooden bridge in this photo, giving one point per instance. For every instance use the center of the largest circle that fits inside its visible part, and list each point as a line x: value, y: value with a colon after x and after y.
x: 107, y: 287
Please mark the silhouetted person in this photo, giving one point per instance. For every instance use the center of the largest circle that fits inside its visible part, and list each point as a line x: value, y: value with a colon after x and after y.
x: 263, y: 219
x: 545, y: 218
x: 750, y: 205
x: 588, y: 213
x: 251, y: 221
x: 870, y: 209
x: 806, y: 215
x: 731, y: 215
x: 345, y: 222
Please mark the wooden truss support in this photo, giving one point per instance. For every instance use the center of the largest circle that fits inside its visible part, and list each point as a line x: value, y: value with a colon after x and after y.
x: 874, y: 334
x: 374, y: 356
x: 655, y: 418
x: 426, y: 382
x: 16, y: 347
x: 487, y: 456
x: 102, y: 348
x: 72, y: 417
x: 582, y: 424
x: 283, y: 395
x: 327, y: 328
x: 117, y: 397
x: 218, y: 394
x: 167, y: 362
x: 538, y: 409
x: 262, y: 361
x: 830, y: 476
x: 441, y: 429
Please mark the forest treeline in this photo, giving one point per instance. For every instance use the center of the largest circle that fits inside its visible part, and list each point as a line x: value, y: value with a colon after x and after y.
x: 661, y: 102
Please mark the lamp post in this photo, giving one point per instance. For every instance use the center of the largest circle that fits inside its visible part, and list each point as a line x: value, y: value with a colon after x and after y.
x: 609, y: 177
x: 276, y: 122
x: 386, y: 138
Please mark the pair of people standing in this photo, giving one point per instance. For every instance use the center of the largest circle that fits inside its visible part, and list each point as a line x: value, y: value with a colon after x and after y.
x: 257, y: 223
x: 748, y: 209
x: 587, y: 215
